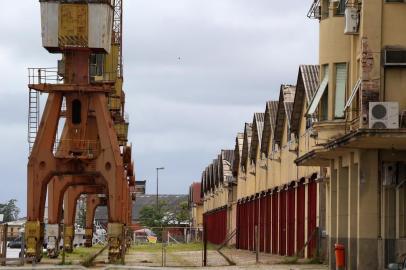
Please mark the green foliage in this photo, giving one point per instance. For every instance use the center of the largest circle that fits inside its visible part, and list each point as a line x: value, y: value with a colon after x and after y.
x: 82, y: 213
x: 155, y: 217
x: 182, y: 213
x: 10, y: 210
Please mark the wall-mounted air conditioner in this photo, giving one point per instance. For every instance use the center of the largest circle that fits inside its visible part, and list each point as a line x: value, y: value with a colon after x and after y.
x: 395, y: 57
x: 383, y: 115
x: 351, y: 21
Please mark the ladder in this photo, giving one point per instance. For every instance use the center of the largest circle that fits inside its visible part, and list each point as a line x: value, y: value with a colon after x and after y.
x: 33, y: 117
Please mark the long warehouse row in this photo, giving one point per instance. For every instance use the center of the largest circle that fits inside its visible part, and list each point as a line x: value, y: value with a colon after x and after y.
x: 326, y: 163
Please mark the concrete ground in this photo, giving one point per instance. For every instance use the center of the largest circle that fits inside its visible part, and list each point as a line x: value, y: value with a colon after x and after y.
x: 182, y: 259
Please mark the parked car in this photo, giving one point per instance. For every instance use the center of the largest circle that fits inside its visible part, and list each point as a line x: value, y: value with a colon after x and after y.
x: 16, y: 243
x: 397, y: 266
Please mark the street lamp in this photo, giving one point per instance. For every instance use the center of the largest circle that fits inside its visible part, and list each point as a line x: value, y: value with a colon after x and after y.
x: 157, y: 185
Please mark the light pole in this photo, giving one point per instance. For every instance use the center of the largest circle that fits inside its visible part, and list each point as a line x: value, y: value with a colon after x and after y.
x: 157, y: 185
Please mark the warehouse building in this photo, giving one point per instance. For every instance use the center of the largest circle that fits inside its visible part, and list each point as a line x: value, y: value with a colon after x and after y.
x: 326, y: 163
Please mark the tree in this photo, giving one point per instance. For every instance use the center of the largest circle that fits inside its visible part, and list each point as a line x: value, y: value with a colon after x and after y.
x: 182, y: 213
x: 10, y: 210
x: 82, y: 212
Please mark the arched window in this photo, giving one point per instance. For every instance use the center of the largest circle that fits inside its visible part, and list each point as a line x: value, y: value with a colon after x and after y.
x: 76, y: 112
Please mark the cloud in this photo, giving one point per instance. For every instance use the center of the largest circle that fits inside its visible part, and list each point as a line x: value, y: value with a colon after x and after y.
x: 234, y: 54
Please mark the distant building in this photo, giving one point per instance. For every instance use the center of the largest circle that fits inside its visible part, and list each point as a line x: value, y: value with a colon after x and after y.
x: 195, y: 204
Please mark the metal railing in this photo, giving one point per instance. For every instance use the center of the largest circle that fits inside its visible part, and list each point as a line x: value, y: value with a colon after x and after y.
x: 44, y: 76
x: 71, y: 148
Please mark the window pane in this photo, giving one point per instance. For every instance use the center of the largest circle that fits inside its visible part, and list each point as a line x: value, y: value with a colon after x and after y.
x: 341, y: 82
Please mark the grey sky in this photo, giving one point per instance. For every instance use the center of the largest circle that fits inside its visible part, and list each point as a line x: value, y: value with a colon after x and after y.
x: 234, y: 55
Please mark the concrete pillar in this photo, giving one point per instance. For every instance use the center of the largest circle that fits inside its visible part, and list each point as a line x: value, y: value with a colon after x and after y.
x: 368, y: 211
x: 332, y: 214
x: 389, y: 224
x: 342, y: 205
x: 353, y: 213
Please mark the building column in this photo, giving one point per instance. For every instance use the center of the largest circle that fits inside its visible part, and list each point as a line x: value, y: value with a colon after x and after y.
x: 353, y: 213
x: 368, y: 216
x: 342, y: 203
x: 332, y: 214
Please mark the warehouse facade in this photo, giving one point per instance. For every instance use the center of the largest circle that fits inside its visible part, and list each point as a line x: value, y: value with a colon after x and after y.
x: 326, y: 163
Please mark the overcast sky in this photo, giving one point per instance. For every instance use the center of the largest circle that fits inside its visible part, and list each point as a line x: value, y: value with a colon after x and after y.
x: 234, y: 54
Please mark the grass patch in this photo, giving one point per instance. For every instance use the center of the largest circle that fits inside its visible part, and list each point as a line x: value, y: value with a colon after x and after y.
x: 290, y: 260
x: 313, y: 261
x: 170, y: 248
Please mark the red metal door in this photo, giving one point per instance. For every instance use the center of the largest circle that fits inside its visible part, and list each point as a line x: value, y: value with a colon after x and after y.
x: 275, y: 220
x: 268, y: 224
x: 282, y: 223
x: 312, y: 217
x: 300, y: 204
x: 262, y: 218
x: 237, y: 227
x: 291, y: 221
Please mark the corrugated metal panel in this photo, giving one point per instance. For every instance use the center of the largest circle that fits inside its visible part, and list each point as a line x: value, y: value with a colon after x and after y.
x: 310, y: 78
x: 100, y: 26
x: 262, y: 223
x: 291, y: 221
x: 269, y: 125
x: 237, y: 152
x: 50, y: 24
x: 287, y: 95
x: 275, y: 222
x: 282, y: 223
x: 257, y: 130
x: 246, y: 144
x: 300, y: 238
x: 268, y: 223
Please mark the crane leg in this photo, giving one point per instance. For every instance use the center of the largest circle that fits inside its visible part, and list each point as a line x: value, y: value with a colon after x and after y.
x: 41, y: 166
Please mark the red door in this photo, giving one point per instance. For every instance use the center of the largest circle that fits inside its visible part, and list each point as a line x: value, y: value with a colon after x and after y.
x: 300, y: 204
x: 291, y: 221
x: 262, y: 217
x: 282, y: 223
x: 275, y: 219
x: 268, y: 224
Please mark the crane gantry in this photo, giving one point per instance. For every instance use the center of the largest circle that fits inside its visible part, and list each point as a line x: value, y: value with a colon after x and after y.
x: 86, y: 103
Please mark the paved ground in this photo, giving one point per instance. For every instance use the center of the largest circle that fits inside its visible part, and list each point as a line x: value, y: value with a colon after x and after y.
x: 185, y: 260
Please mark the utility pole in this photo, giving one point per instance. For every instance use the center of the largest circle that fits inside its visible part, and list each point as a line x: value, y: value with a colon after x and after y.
x: 157, y: 186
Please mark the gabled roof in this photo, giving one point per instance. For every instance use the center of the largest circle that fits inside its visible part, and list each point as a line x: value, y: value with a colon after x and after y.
x: 216, y: 172
x: 194, y: 193
x: 286, y: 96
x: 226, y: 159
x: 269, y: 125
x: 211, y: 176
x: 237, y: 152
x: 208, y: 183
x: 257, y: 130
x: 246, y: 146
x: 306, y: 87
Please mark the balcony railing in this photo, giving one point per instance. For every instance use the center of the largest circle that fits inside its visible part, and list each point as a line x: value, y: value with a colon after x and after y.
x: 76, y: 148
x: 44, y: 76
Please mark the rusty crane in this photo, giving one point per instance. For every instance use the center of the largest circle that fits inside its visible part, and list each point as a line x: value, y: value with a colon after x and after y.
x: 80, y: 145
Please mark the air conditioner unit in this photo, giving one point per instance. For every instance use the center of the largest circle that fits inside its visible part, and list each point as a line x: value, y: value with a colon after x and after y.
x: 395, y: 57
x: 351, y: 21
x: 389, y: 174
x: 383, y: 115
